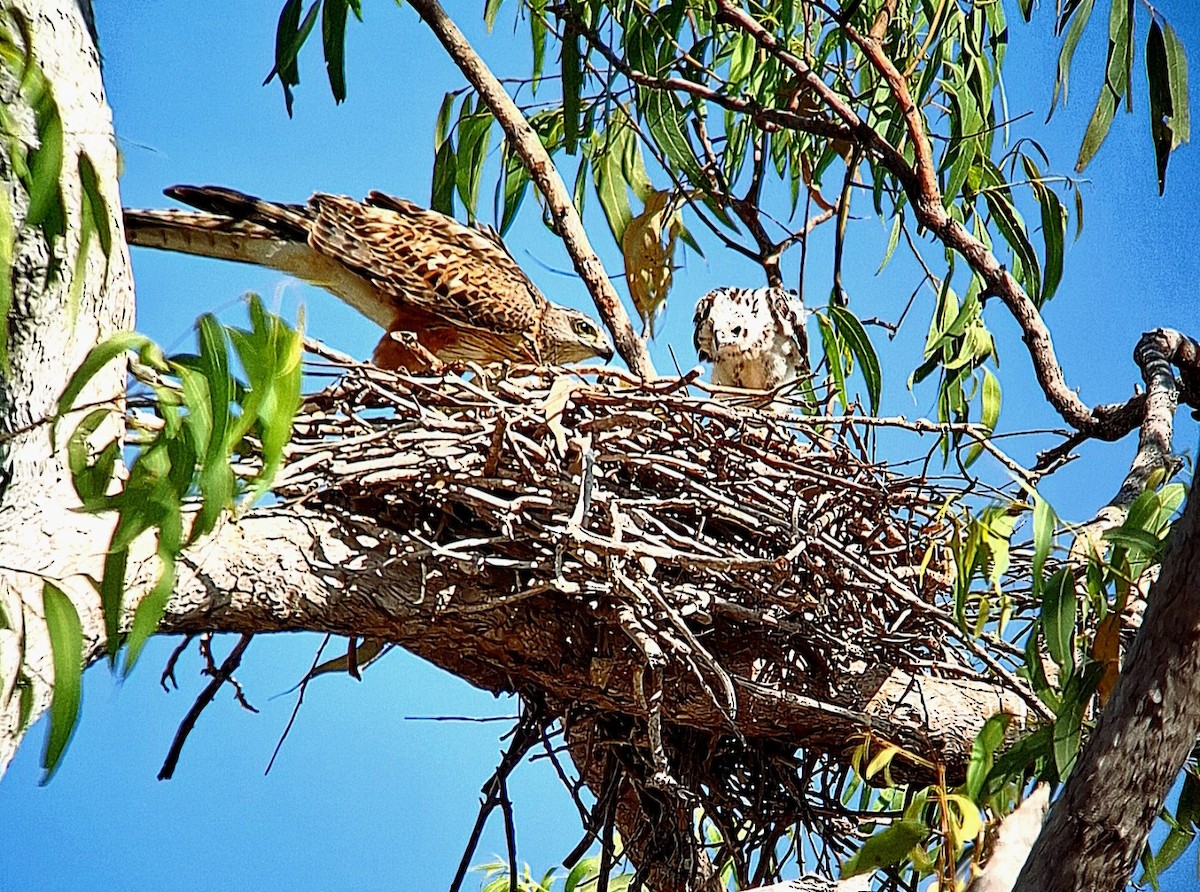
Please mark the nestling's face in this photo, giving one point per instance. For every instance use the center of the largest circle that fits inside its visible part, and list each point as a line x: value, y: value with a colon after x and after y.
x: 571, y: 336
x: 728, y: 326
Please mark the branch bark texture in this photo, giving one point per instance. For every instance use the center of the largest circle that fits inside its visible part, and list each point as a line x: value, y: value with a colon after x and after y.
x: 41, y: 536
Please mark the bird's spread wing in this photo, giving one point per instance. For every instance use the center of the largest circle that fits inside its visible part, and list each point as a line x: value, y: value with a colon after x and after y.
x: 427, y: 261
x: 391, y: 259
x: 233, y: 226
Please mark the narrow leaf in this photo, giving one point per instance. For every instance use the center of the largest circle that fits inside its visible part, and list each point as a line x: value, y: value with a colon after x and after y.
x: 1059, y: 609
x: 855, y: 337
x: 572, y: 85
x: 334, y: 15
x: 66, y: 646
x: 835, y: 355
x: 885, y: 848
x: 1078, y: 24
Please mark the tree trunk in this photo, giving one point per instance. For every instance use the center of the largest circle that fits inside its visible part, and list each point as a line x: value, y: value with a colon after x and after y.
x: 41, y: 537
x: 1098, y: 827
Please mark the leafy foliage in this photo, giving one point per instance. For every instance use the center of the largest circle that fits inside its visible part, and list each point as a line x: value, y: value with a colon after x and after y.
x: 181, y: 476
x: 66, y: 644
x: 582, y: 877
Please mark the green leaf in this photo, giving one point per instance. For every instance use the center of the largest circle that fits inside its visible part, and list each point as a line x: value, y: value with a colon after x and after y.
x: 87, y: 228
x: 98, y: 357
x: 1137, y: 541
x: 983, y: 751
x: 93, y: 199
x: 270, y: 353
x: 334, y: 15
x: 537, y: 34
x: 442, y: 126
x: 46, y: 168
x: 1044, y: 523
x: 1068, y: 729
x: 885, y: 848
x: 290, y: 35
x: 1116, y: 80
x: 66, y: 647
x: 1012, y: 227
x: 1054, y: 229
x: 516, y: 185
x: 1059, y: 609
x: 1177, y: 71
x: 168, y: 512
x: 855, y: 338
x: 474, y: 131
x: 1078, y: 23
x: 668, y: 124
x: 207, y: 395
x: 989, y: 412
x: 91, y: 479
x: 490, y: 10
x: 1026, y: 752
x: 893, y: 240
x: 584, y: 870
x: 742, y: 59
x: 572, y: 85
x: 835, y: 355
x: 609, y: 176
x: 112, y: 590
x: 1166, y: 71
x: 445, y: 175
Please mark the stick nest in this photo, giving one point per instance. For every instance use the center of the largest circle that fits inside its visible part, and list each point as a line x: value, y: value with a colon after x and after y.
x: 714, y: 540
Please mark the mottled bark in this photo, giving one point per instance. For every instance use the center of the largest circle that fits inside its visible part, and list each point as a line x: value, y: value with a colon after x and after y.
x: 41, y: 537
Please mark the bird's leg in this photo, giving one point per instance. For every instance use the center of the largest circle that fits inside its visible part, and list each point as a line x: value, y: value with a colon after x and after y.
x: 403, y: 350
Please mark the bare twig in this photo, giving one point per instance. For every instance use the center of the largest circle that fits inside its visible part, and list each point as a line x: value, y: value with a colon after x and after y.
x: 220, y: 676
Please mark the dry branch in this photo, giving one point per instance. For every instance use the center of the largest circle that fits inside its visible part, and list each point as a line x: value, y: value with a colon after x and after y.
x: 726, y: 596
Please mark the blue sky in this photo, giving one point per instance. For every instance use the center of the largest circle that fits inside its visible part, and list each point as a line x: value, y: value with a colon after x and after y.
x: 362, y: 797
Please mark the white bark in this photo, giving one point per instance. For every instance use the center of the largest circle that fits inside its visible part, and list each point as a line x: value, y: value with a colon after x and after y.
x: 40, y: 536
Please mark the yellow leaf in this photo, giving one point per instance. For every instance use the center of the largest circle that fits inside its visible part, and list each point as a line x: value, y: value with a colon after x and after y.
x: 648, y: 246
x: 1106, y: 650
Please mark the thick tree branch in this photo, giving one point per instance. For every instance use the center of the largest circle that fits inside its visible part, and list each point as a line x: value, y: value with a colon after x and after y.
x: 294, y: 569
x: 558, y: 198
x: 1098, y: 827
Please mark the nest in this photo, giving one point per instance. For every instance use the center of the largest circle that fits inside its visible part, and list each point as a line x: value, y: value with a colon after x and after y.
x: 704, y: 540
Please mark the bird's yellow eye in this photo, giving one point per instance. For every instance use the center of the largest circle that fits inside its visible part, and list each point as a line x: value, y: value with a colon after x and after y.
x: 583, y: 327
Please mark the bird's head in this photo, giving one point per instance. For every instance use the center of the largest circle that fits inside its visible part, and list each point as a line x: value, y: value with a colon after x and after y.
x: 571, y: 336
x: 728, y: 319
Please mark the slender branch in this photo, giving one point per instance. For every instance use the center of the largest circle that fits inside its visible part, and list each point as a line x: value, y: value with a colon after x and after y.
x: 558, y: 197
x: 919, y: 181
x: 221, y: 676
x: 527, y: 733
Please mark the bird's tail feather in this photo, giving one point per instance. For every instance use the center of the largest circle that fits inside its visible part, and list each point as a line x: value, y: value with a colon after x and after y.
x: 209, y: 235
x: 290, y: 221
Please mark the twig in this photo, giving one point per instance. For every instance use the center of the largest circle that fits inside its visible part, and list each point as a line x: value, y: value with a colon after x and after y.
x: 206, y: 696
x: 526, y: 734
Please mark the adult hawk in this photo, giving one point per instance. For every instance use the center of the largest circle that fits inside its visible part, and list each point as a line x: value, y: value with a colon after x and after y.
x: 754, y: 337
x: 417, y: 273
